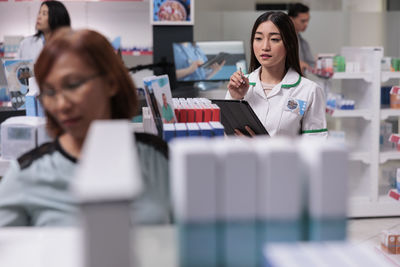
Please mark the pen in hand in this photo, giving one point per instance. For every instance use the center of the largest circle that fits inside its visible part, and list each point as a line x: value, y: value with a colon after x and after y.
x: 243, y: 80
x: 241, y: 74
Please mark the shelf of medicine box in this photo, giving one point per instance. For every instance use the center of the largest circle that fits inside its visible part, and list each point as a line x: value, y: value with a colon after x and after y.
x: 326, y: 76
x: 387, y: 75
x: 389, y: 155
x: 383, y: 206
x: 349, y: 113
x: 137, y: 53
x: 364, y: 157
x: 389, y: 112
x: 367, y: 76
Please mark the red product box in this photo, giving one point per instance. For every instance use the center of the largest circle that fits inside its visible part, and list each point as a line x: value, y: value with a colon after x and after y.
x: 388, y: 242
x: 199, y: 112
x: 215, y: 112
x: 394, y: 194
x: 207, y: 112
x: 394, y: 138
x: 177, y: 111
x: 190, y: 113
x: 183, y: 113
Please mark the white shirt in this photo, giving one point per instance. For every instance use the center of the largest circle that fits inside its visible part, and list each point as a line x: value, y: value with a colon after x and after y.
x: 294, y: 106
x: 30, y: 47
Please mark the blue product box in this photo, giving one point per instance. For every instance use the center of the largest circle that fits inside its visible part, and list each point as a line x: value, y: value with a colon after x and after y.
x: 205, y: 129
x: 193, y: 129
x: 327, y: 229
x: 168, y: 131
x: 30, y: 105
x: 180, y: 129
x: 240, y: 244
x: 217, y: 127
x: 385, y: 96
x: 198, y: 246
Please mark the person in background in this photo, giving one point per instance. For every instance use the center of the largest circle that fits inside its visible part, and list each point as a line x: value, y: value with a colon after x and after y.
x: 188, y: 58
x: 52, y: 15
x: 166, y: 111
x: 300, y: 15
x: 81, y: 79
x: 285, y: 102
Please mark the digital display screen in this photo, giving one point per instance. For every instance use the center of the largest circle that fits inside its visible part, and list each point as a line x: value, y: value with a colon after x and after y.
x: 208, y: 61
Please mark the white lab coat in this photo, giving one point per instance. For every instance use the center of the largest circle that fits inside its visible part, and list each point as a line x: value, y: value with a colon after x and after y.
x: 294, y: 106
x: 30, y: 47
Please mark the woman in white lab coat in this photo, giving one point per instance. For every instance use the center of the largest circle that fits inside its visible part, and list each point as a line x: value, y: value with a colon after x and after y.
x: 52, y: 15
x: 285, y: 102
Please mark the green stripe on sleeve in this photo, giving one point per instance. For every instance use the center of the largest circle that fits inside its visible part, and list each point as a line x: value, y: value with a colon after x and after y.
x: 315, y: 131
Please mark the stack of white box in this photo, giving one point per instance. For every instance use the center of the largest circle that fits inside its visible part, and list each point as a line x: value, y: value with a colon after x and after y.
x: 232, y: 196
x: 20, y: 134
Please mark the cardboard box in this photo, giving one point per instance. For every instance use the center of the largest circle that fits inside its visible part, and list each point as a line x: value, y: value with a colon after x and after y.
x: 388, y: 242
x: 395, y: 97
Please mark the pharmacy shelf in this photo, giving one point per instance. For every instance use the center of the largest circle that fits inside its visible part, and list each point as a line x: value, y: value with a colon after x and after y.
x: 354, y: 113
x: 387, y: 75
x: 364, y: 207
x: 364, y: 157
x: 389, y: 112
x: 367, y: 76
x: 388, y: 155
x: 365, y: 87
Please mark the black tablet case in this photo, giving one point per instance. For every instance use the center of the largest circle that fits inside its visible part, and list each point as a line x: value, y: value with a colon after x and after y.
x: 236, y: 114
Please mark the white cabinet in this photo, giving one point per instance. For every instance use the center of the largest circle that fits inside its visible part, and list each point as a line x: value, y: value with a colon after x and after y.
x: 368, y: 197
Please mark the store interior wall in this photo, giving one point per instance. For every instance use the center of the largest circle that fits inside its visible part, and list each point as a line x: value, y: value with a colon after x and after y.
x: 130, y: 20
x: 361, y: 24
x: 328, y: 31
x: 315, y: 5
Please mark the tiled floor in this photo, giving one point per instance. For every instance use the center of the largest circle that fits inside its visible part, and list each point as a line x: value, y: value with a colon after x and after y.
x: 367, y: 231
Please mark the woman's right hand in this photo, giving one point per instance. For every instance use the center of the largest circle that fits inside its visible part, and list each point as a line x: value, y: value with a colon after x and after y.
x: 238, y: 85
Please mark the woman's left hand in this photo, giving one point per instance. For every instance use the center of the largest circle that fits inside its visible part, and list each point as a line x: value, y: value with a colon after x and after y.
x: 250, y: 132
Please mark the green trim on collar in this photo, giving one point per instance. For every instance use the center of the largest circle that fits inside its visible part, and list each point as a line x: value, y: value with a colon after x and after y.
x: 292, y: 85
x: 315, y: 131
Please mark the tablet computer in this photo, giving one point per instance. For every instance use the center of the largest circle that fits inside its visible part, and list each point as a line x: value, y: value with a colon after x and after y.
x: 236, y: 114
x: 217, y: 59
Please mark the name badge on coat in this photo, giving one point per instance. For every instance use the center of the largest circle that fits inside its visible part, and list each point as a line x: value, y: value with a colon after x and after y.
x: 296, y: 106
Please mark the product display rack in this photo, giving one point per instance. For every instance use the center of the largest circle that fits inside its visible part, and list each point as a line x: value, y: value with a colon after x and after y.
x: 368, y: 193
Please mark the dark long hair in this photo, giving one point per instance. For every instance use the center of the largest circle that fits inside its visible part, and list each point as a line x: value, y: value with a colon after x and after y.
x: 58, y: 16
x: 289, y: 38
x: 96, y: 51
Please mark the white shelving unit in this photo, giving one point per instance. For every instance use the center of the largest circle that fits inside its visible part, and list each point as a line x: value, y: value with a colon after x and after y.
x: 362, y: 129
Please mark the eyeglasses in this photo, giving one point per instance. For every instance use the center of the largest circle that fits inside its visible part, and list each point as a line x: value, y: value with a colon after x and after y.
x: 69, y: 89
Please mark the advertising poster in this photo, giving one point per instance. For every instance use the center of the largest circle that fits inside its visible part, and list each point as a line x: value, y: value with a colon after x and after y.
x: 172, y: 12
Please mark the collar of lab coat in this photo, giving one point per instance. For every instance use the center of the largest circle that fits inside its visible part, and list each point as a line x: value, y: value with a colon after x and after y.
x: 291, y: 79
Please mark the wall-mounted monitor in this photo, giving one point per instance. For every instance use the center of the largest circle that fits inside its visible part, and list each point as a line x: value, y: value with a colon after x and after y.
x: 208, y: 61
